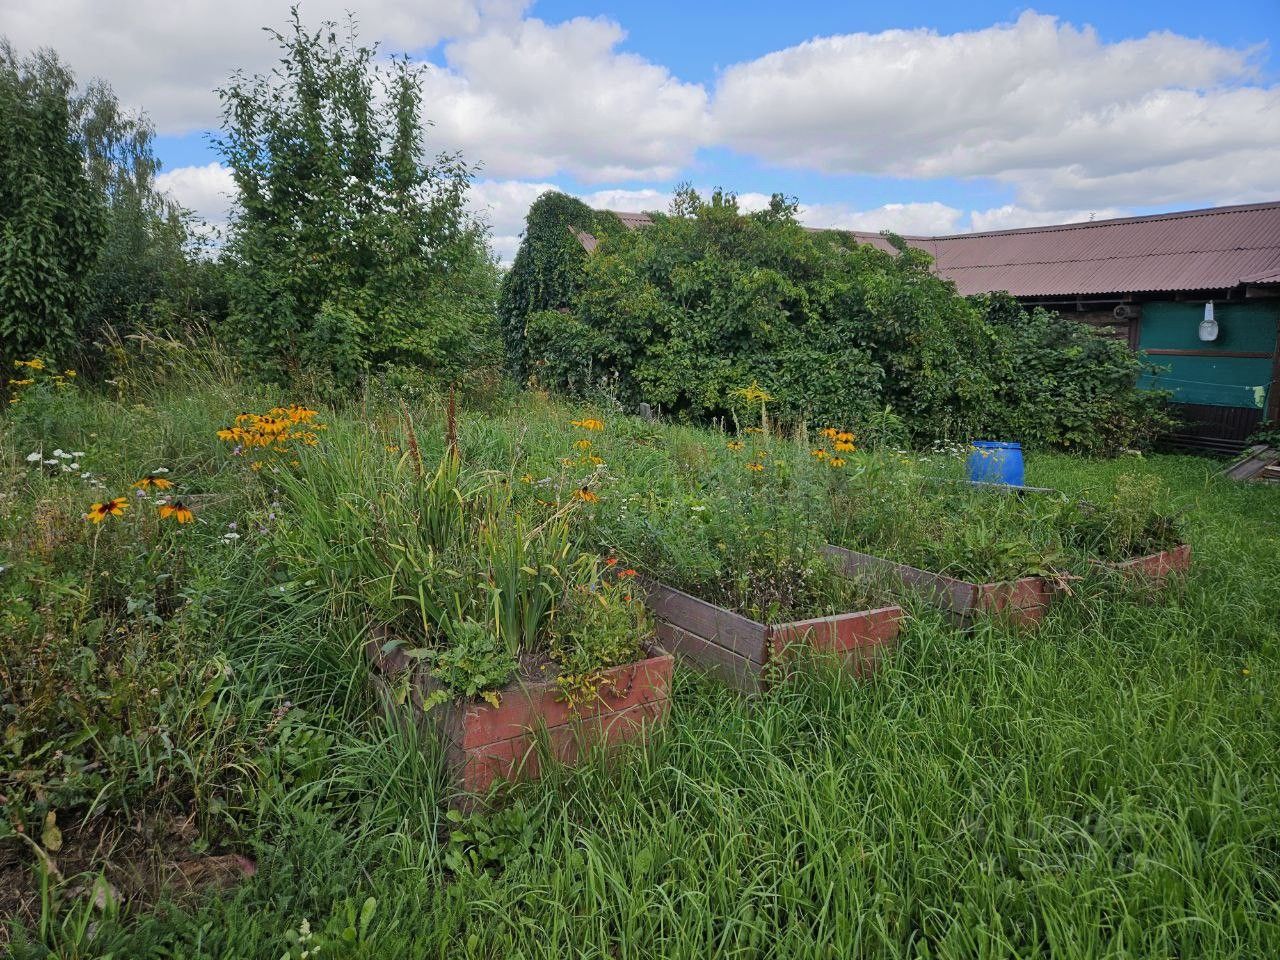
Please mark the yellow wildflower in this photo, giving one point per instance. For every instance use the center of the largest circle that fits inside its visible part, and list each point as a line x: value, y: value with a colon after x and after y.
x: 112, y: 508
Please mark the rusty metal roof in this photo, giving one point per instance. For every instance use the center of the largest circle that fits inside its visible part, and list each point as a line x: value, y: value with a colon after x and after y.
x: 1210, y: 249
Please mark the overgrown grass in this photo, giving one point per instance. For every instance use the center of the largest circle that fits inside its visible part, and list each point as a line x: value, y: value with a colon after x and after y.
x: 1105, y: 787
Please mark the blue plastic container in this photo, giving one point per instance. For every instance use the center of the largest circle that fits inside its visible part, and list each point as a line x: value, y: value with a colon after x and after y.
x: 993, y: 461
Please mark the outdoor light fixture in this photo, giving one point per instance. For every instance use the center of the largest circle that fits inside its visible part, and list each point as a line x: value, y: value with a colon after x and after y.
x: 1208, y: 326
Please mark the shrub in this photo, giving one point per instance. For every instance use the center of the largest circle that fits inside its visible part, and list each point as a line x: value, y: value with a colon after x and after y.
x: 51, y: 217
x: 547, y: 271
x: 347, y: 250
x: 687, y: 312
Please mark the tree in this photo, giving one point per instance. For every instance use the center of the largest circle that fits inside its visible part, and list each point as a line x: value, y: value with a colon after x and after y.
x: 51, y: 217
x: 347, y: 249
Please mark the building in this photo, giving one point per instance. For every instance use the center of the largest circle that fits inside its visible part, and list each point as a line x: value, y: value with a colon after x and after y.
x: 1147, y: 280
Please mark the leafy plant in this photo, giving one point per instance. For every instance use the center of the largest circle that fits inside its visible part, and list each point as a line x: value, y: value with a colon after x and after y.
x: 347, y: 250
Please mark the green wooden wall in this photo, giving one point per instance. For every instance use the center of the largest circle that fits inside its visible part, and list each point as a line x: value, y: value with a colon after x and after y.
x: 1216, y: 380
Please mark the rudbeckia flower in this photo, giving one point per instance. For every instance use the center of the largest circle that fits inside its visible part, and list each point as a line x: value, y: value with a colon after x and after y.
x: 151, y: 481
x: 586, y: 495
x: 112, y: 508
x: 582, y: 444
x: 735, y: 444
x: 755, y: 467
x: 837, y: 462
x: 178, y: 511
x: 590, y: 423
x: 843, y: 446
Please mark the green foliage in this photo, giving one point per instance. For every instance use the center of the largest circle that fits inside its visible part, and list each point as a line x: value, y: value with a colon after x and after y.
x: 465, y: 574
x: 687, y: 312
x: 90, y: 243
x: 1062, y: 384
x: 347, y: 250
x: 546, y: 275
x: 474, y: 662
x: 1134, y: 521
x: 1268, y: 434
x: 51, y: 215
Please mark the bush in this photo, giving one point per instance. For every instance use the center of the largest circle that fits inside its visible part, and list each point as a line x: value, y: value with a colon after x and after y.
x: 547, y: 271
x: 688, y: 312
x: 347, y: 250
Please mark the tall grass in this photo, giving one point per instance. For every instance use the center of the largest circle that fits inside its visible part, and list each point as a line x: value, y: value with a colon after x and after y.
x: 1106, y: 787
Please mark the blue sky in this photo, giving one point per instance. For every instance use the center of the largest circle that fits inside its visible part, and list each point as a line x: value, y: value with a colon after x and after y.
x: 921, y: 117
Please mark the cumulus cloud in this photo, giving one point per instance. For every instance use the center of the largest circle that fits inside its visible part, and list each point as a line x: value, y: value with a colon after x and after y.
x: 1040, y: 104
x: 168, y: 57
x: 534, y: 100
x: 209, y: 191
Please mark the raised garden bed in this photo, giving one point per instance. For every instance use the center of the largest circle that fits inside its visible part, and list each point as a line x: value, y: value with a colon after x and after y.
x: 1022, y: 602
x: 484, y: 744
x: 736, y: 649
x: 1154, y: 568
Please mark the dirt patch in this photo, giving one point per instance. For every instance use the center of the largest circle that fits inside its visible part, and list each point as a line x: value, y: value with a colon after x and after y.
x: 108, y: 859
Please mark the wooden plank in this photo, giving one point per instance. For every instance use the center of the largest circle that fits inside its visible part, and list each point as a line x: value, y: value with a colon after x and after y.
x: 724, y: 664
x: 955, y: 595
x: 1258, y: 459
x: 1229, y: 354
x: 744, y: 636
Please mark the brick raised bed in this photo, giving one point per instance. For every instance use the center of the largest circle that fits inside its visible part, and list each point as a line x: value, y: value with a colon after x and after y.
x: 484, y: 744
x: 1022, y: 602
x: 736, y: 649
x: 1154, y: 568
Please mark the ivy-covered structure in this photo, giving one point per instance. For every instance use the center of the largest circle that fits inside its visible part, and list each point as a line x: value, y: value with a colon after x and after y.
x: 1147, y: 281
x: 702, y: 309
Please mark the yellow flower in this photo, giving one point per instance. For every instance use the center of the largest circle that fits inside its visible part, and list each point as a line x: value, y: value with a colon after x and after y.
x: 843, y: 446
x: 256, y: 465
x: 152, y: 481
x: 589, y: 423
x: 527, y: 478
x: 596, y: 460
x: 829, y: 433
x: 112, y: 508
x: 836, y: 462
x: 819, y: 454
x: 755, y: 467
x: 735, y: 444
x: 844, y: 436
x: 178, y: 511
x: 70, y: 373
x: 582, y: 444
x: 585, y: 495
x: 392, y: 448
x: 21, y: 383
x: 35, y: 364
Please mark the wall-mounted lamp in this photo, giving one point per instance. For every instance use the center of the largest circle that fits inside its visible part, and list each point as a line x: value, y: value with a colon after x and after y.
x: 1208, y: 326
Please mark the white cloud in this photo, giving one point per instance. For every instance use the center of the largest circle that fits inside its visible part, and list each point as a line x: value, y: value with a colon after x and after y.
x: 1045, y: 106
x: 209, y: 191
x: 168, y: 57
x: 1012, y: 217
x: 533, y: 100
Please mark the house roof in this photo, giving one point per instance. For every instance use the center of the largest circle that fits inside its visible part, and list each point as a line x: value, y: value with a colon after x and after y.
x: 1211, y: 249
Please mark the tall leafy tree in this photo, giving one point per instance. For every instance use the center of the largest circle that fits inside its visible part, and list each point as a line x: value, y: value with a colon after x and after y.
x: 349, y: 249
x: 52, y: 219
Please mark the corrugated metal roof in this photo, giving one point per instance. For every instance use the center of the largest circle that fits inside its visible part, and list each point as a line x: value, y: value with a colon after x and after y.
x: 1210, y: 249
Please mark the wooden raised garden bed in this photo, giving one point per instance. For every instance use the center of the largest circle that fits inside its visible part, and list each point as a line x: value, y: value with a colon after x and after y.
x: 484, y: 744
x: 1022, y: 602
x: 1154, y: 568
x: 736, y: 649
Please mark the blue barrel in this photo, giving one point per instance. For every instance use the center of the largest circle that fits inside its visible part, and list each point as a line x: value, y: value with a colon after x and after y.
x: 993, y: 461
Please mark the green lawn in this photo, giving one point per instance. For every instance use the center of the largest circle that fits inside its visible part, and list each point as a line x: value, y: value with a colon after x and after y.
x: 1108, y: 786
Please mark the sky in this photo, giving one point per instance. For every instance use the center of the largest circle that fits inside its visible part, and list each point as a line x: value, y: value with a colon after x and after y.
x: 918, y: 117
